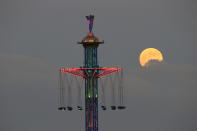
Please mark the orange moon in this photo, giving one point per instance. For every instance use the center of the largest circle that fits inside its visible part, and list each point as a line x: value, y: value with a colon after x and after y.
x: 150, y: 54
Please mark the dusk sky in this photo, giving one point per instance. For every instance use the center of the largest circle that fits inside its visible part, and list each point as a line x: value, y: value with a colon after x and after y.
x: 37, y: 37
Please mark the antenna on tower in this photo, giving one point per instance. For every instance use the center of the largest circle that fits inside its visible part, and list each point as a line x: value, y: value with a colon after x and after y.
x: 90, y: 20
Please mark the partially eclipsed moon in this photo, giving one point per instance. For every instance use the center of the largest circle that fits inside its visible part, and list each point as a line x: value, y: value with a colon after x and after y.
x: 150, y: 54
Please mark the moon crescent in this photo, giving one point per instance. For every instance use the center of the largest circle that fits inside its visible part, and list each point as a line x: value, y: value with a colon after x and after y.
x: 150, y: 54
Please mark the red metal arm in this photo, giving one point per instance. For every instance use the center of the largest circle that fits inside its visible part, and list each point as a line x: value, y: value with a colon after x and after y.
x: 97, y: 72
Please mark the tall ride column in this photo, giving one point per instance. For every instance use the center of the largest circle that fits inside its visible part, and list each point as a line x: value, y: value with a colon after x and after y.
x: 90, y: 44
x: 90, y: 72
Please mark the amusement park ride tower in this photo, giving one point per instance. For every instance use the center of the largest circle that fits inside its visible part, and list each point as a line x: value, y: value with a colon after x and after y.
x: 90, y: 72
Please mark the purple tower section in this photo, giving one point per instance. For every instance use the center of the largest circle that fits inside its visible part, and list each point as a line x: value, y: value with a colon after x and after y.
x: 90, y: 19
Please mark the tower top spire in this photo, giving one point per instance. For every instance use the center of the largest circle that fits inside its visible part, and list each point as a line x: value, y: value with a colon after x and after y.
x: 90, y: 40
x: 90, y: 20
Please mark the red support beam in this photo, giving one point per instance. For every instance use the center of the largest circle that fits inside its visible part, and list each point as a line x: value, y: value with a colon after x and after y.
x: 82, y: 72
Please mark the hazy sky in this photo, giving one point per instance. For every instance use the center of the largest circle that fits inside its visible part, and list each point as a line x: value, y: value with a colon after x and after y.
x: 39, y: 36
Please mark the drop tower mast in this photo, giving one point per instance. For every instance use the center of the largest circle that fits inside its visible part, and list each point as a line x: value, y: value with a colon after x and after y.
x: 90, y: 72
